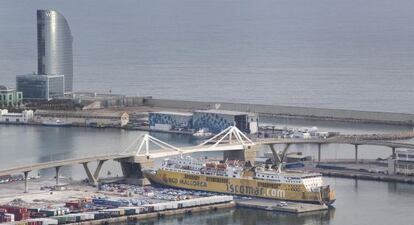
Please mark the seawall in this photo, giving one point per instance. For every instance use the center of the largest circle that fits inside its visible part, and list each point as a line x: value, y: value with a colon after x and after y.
x: 138, y: 217
x: 292, y: 111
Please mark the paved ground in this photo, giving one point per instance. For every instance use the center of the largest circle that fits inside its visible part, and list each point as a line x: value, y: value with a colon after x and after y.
x: 14, y: 190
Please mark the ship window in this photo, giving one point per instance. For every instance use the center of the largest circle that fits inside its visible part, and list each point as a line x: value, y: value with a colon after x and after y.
x: 217, y: 180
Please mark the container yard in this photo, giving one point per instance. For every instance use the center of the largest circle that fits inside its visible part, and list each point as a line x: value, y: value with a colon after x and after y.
x: 110, y: 203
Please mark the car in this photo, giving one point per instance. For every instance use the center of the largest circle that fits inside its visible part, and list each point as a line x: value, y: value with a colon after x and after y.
x: 283, y: 203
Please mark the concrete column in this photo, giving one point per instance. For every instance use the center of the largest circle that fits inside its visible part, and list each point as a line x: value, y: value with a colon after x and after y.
x: 274, y: 153
x: 132, y: 169
x: 356, y: 153
x: 319, y: 152
x: 57, y: 175
x: 247, y: 154
x: 91, y: 178
x: 98, y: 169
x: 26, y: 181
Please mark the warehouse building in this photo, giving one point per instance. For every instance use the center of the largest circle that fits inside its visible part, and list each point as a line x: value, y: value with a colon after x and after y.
x: 85, y: 118
x: 170, y: 120
x: 218, y: 120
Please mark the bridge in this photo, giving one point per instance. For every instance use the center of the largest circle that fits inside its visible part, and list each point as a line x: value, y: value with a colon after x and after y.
x: 335, y: 140
x: 140, y: 153
x: 232, y: 142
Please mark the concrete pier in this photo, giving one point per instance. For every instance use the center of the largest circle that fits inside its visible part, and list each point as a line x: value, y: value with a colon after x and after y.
x: 135, y: 218
x: 356, y: 153
x: 248, y: 154
x: 57, y: 175
x: 132, y: 169
x: 319, y: 152
x: 354, y: 116
x: 273, y: 205
x: 26, y: 181
x: 93, y: 178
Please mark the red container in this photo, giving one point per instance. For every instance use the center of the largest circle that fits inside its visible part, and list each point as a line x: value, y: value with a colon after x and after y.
x: 19, y: 213
x: 73, y: 205
x: 5, y: 218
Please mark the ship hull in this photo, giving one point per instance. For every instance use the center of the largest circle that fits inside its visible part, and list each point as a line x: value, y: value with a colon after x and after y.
x: 236, y: 186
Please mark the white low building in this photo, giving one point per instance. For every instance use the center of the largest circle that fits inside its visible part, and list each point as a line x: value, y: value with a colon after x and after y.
x: 24, y: 117
x: 403, y: 162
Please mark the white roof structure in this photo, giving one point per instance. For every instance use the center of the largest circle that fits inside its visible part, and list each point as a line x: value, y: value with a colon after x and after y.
x: 173, y: 113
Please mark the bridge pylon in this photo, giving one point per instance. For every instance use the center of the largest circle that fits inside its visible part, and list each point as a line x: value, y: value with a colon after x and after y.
x: 232, y: 135
x: 141, y: 146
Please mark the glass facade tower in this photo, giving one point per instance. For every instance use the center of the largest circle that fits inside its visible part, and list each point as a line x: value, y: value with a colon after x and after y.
x: 54, y: 46
x: 40, y: 87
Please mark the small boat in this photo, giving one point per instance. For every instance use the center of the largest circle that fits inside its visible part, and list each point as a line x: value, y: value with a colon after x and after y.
x: 202, y: 133
x: 56, y: 123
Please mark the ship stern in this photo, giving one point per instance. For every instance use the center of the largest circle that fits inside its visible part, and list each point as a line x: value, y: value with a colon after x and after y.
x: 328, y: 195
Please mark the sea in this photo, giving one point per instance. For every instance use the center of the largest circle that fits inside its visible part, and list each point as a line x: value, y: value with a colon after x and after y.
x: 348, y: 54
x: 351, y: 54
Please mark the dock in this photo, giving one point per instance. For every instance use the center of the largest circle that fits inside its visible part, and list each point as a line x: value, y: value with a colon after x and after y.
x: 272, y: 205
x: 368, y: 176
x: 135, y: 218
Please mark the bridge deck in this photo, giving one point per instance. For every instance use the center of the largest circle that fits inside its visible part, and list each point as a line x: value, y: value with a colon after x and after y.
x: 206, y: 148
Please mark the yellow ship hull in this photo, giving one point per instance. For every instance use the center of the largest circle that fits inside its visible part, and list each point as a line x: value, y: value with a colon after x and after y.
x: 239, y: 186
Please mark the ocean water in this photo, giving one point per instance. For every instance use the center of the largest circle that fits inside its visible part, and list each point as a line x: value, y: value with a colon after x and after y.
x: 352, y: 54
x: 358, y: 202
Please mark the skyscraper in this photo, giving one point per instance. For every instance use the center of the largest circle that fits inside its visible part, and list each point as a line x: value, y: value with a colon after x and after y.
x: 54, y: 46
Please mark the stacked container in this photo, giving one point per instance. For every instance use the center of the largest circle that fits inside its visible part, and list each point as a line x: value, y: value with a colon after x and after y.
x: 19, y: 213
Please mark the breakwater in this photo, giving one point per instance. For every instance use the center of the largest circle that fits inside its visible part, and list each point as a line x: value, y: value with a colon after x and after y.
x: 291, y: 111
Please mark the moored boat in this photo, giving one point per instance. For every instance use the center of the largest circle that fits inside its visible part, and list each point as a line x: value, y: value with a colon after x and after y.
x: 202, y: 133
x: 241, y: 178
x: 56, y: 123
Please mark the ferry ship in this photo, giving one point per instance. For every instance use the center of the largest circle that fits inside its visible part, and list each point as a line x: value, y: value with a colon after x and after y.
x: 241, y: 178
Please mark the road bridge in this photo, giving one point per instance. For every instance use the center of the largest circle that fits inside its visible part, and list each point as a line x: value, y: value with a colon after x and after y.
x: 231, y: 141
x: 140, y: 155
x: 335, y: 140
